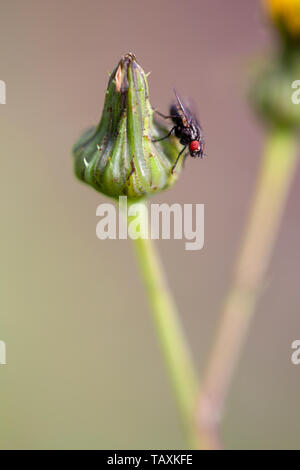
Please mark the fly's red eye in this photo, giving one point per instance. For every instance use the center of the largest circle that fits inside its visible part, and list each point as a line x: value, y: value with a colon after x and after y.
x: 194, y: 145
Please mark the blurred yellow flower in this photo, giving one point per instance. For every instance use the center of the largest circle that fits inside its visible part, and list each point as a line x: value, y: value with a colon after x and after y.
x: 286, y: 14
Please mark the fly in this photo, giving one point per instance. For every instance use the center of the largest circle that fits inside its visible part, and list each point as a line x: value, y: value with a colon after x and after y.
x: 186, y: 128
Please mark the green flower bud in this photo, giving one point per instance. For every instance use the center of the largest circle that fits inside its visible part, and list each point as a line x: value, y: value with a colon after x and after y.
x: 272, y: 91
x: 119, y: 157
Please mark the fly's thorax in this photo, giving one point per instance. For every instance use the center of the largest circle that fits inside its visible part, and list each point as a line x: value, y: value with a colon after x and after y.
x: 187, y: 135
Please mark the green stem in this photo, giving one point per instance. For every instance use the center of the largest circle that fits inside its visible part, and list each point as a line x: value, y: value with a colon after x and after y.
x: 170, y: 333
x: 277, y: 169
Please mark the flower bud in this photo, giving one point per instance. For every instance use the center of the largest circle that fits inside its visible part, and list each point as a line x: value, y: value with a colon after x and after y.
x: 119, y: 157
x: 273, y: 90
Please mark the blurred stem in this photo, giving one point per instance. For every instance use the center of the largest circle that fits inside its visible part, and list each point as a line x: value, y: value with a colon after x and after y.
x: 170, y: 333
x: 275, y: 177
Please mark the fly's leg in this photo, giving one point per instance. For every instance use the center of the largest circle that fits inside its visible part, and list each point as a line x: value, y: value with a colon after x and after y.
x: 180, y: 153
x: 163, y: 115
x: 166, y: 136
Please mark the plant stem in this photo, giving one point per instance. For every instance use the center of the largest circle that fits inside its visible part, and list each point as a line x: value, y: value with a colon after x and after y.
x: 276, y: 172
x: 170, y: 333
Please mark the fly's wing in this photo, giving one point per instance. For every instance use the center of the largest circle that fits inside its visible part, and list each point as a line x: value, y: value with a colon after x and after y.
x: 191, y: 110
x: 196, y: 122
x: 184, y: 113
x: 179, y: 102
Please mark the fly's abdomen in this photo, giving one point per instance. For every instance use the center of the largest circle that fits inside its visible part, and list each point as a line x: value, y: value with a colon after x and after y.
x: 176, y: 118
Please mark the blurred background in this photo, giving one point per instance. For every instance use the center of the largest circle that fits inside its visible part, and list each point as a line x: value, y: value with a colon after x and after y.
x: 83, y: 365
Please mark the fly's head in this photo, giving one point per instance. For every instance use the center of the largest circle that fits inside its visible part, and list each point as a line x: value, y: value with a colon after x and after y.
x: 196, y: 148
